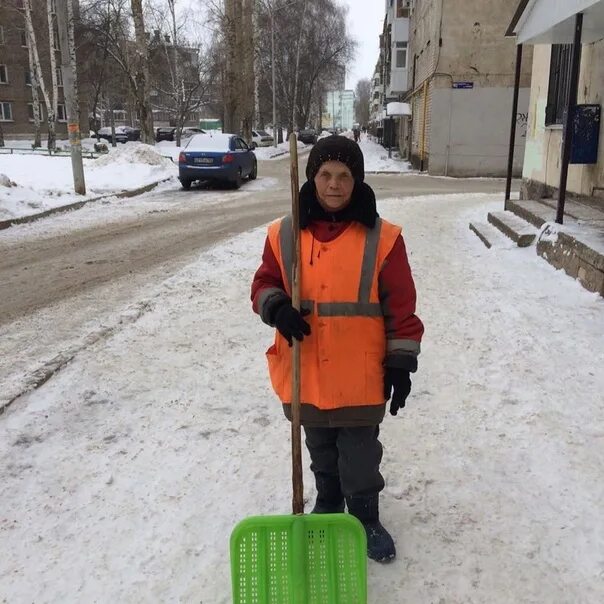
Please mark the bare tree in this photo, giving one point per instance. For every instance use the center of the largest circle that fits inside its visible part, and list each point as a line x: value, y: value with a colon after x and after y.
x: 37, y: 75
x: 52, y: 45
x: 362, y: 100
x: 141, y: 74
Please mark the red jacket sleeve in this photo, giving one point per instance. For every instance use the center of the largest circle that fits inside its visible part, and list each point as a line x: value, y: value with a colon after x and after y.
x: 267, y: 286
x: 404, y: 329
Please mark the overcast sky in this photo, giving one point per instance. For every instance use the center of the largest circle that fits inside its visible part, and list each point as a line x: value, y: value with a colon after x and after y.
x: 365, y: 20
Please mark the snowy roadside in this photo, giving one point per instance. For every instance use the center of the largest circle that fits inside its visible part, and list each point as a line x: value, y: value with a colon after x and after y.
x: 377, y: 160
x: 30, y: 184
x: 122, y: 477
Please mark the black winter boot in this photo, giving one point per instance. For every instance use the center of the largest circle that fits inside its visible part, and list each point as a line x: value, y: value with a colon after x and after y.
x: 380, y: 546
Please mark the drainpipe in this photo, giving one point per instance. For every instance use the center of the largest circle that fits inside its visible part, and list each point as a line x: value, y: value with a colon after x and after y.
x: 567, y: 134
x: 508, y: 184
x: 423, y: 142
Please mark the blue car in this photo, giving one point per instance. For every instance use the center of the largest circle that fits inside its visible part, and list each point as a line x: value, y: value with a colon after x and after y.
x: 216, y: 157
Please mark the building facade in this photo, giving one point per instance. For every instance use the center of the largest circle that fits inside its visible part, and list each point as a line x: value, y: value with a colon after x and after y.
x: 551, y: 33
x: 462, y: 82
x: 16, y: 106
x: 339, y: 109
x: 391, y: 77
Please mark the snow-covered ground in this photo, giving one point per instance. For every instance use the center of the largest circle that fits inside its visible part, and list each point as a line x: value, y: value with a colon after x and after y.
x: 122, y: 477
x: 377, y: 160
x: 30, y: 184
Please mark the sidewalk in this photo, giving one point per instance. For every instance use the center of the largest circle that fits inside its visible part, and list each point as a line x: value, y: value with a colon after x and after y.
x: 122, y: 477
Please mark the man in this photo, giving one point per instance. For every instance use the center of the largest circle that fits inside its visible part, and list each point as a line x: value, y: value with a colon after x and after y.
x: 359, y: 332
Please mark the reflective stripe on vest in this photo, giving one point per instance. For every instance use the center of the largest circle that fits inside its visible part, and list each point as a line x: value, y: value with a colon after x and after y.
x: 362, y: 308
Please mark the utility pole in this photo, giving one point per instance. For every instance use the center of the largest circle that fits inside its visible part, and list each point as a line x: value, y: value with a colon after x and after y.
x: 68, y: 71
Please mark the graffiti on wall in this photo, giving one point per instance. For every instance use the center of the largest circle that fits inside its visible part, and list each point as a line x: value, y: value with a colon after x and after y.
x: 521, y: 124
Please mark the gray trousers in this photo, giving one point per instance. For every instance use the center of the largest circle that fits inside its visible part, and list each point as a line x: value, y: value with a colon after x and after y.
x: 346, y: 463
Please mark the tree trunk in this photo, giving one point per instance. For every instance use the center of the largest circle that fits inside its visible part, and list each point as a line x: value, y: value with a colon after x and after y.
x: 258, y: 118
x: 232, y: 72
x: 247, y: 62
x: 35, y: 99
x: 52, y: 124
x: 37, y: 76
x: 141, y: 75
x: 296, y: 78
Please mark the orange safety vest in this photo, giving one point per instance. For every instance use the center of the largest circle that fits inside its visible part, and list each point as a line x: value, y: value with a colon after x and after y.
x: 341, y: 361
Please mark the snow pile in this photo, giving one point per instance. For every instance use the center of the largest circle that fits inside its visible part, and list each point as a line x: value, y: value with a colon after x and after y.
x: 122, y: 477
x: 5, y: 181
x: 44, y: 182
x: 132, y: 153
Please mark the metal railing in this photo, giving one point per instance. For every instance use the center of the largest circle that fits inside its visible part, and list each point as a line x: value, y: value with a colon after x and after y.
x: 41, y: 151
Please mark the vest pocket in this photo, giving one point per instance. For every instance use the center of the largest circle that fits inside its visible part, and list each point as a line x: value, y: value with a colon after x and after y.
x: 275, y: 370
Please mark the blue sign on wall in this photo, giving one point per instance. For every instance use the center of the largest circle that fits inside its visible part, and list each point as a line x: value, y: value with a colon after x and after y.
x: 463, y: 85
x: 586, y: 134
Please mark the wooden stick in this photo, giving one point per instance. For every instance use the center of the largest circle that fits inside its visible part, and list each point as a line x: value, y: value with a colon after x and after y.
x: 297, y: 478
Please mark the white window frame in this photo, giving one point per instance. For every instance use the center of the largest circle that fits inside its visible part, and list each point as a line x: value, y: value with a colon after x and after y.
x: 400, y: 47
x: 64, y: 118
x: 3, y: 105
x: 5, y: 70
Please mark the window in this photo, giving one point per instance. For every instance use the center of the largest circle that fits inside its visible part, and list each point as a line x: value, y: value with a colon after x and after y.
x: 558, y: 93
x: 61, y: 113
x: 53, y: 6
x: 1, y: 34
x: 30, y: 111
x: 59, y: 76
x: 3, y: 74
x: 401, y: 55
x: 27, y: 77
x: 23, y: 38
x: 6, y: 111
x: 403, y: 8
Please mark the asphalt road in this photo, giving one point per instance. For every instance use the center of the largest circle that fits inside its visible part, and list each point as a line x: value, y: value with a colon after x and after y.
x: 36, y: 272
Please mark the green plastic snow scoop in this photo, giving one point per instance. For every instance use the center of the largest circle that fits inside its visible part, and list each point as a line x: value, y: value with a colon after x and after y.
x: 298, y: 559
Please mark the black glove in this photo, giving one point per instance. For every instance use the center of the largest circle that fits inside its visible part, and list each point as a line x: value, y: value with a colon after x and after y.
x: 398, y: 382
x: 290, y: 323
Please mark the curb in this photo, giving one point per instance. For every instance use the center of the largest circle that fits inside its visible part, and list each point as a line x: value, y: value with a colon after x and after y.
x: 5, y: 224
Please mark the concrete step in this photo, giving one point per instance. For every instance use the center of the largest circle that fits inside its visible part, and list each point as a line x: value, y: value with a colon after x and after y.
x: 514, y: 227
x: 489, y: 235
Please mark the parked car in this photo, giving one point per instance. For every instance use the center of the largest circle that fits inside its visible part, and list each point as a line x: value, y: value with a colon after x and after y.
x: 121, y: 136
x: 164, y: 134
x: 261, y: 138
x: 188, y: 132
x: 168, y: 133
x: 133, y: 134
x: 308, y: 137
x: 216, y: 157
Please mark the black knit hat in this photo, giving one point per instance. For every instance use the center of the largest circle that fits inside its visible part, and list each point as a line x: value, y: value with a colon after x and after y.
x: 336, y: 148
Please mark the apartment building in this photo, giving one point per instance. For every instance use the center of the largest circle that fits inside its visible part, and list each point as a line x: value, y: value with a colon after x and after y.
x: 391, y: 77
x: 461, y: 88
x: 339, y: 109
x: 16, y: 103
